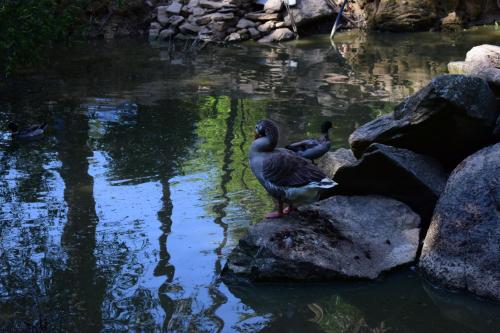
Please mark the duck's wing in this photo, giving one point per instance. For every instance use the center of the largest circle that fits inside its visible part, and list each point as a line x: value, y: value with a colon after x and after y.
x: 317, y: 151
x: 284, y: 168
x: 302, y: 145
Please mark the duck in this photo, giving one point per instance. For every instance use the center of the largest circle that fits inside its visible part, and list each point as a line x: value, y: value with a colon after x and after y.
x: 313, y: 148
x: 29, y: 133
x: 286, y: 176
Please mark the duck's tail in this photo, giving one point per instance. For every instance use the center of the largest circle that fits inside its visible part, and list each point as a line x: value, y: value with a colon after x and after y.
x: 326, y: 183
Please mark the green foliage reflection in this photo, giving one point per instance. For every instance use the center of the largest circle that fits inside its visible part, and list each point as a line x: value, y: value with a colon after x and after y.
x: 224, y: 131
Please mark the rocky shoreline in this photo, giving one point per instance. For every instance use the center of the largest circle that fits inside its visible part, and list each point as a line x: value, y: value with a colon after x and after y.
x: 272, y: 21
x: 419, y: 185
x: 222, y: 21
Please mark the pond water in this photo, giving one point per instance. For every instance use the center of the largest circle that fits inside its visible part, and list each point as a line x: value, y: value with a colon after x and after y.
x: 122, y: 217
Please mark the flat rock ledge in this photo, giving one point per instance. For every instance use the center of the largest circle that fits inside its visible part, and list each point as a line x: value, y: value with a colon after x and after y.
x: 342, y: 237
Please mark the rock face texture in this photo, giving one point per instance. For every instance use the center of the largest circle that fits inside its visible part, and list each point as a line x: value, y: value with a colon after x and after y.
x: 415, y: 179
x: 417, y: 15
x: 412, y: 15
x: 462, y: 247
x: 133, y: 17
x: 332, y: 161
x: 340, y: 237
x: 487, y: 54
x: 450, y: 118
x: 278, y: 35
x: 306, y: 11
x: 482, y: 61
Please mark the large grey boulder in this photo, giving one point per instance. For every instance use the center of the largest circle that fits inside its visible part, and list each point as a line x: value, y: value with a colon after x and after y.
x: 450, y: 118
x: 415, y: 179
x: 332, y: 161
x: 462, y: 246
x: 341, y: 237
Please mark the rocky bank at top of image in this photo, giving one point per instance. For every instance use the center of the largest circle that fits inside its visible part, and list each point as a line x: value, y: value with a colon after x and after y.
x: 427, y: 173
x: 272, y: 21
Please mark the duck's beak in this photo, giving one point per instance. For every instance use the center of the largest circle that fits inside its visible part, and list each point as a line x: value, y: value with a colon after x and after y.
x: 256, y: 136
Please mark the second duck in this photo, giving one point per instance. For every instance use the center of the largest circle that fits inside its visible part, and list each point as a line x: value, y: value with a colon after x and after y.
x: 313, y: 148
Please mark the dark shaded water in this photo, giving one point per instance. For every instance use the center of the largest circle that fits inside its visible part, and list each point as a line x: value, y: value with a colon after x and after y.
x: 122, y: 217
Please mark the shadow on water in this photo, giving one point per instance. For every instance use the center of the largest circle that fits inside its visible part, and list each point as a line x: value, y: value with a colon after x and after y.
x: 122, y: 217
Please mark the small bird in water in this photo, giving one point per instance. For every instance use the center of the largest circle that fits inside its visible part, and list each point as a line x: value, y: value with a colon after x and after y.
x: 313, y: 148
x: 286, y: 176
x: 29, y: 133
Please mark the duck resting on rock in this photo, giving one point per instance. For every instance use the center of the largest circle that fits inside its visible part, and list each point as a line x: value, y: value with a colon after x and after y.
x: 29, y: 133
x: 313, y: 148
x: 287, y: 177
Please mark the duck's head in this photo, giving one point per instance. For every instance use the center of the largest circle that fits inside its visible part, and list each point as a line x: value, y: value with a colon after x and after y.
x: 326, y: 126
x: 12, y: 127
x: 267, y: 132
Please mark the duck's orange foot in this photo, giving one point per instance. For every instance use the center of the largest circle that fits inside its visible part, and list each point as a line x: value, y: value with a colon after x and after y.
x: 274, y: 215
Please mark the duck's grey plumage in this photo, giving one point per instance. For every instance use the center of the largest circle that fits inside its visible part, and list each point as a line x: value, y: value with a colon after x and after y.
x: 284, y: 168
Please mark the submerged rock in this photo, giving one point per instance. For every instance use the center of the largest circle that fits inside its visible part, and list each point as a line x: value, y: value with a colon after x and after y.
x: 332, y: 161
x: 450, y: 118
x: 340, y: 237
x: 415, y: 179
x: 462, y: 247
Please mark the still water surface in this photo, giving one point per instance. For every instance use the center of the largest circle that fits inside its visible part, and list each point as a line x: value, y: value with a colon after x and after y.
x: 121, y: 219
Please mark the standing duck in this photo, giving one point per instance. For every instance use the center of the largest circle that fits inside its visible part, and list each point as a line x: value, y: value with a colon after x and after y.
x: 313, y: 148
x: 286, y: 176
x: 29, y: 133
